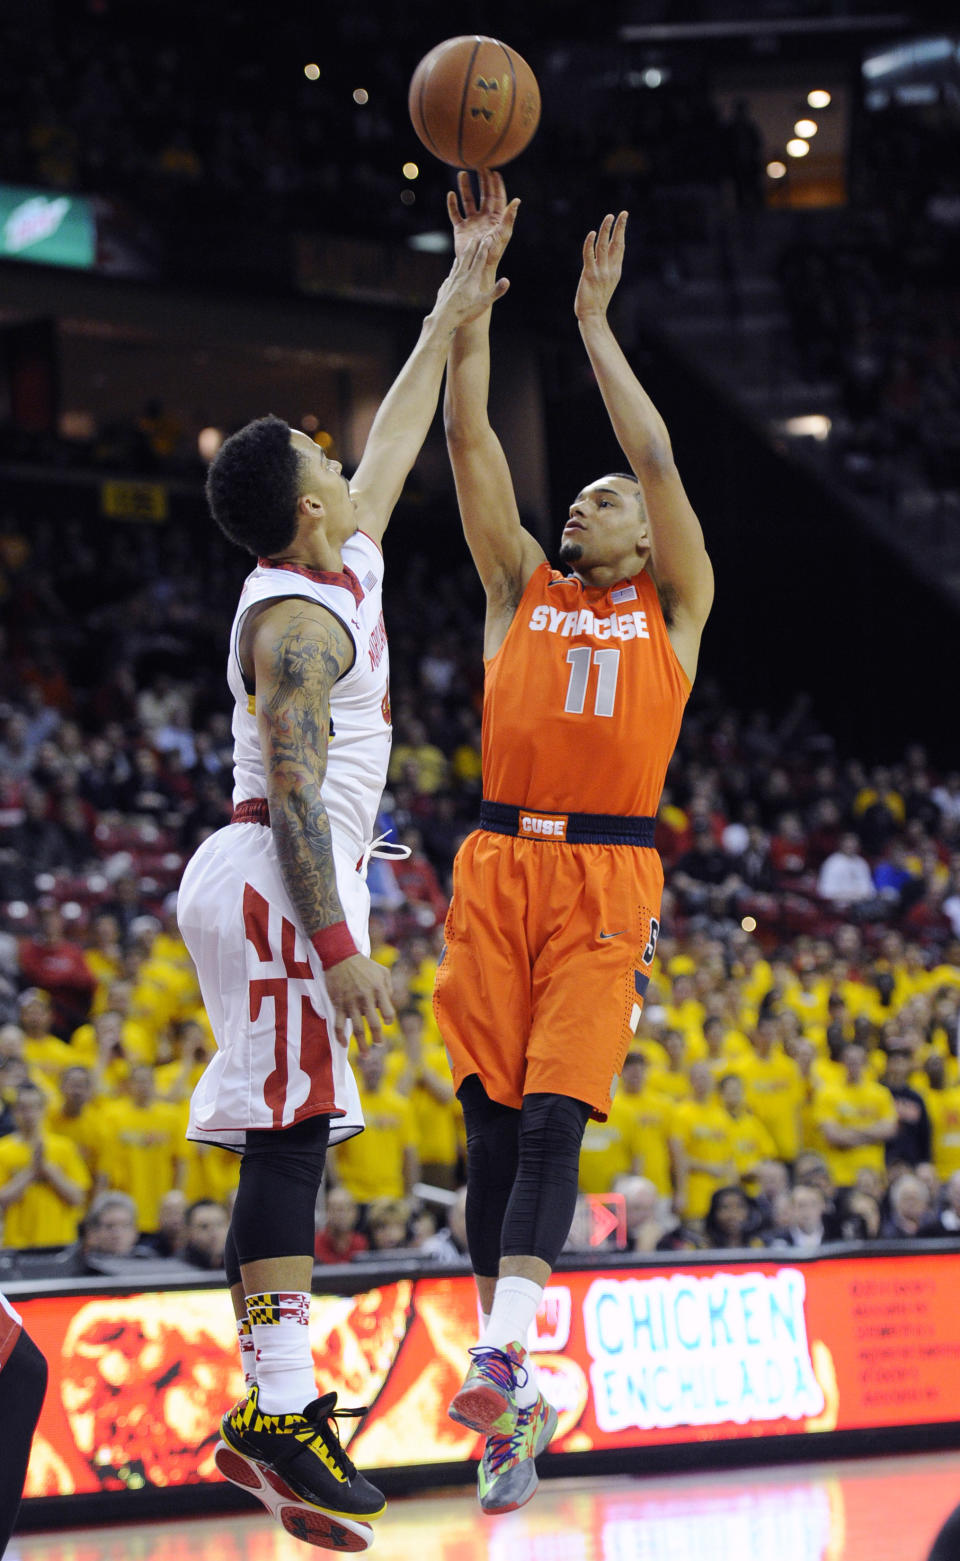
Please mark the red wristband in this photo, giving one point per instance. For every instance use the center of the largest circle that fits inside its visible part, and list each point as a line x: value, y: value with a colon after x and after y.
x: 334, y: 944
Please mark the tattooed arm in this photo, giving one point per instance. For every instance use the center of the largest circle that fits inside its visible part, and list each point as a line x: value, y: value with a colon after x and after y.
x: 296, y: 651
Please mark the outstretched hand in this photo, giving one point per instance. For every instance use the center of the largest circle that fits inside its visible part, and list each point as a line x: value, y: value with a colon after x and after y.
x: 471, y: 286
x: 493, y: 217
x: 602, y: 267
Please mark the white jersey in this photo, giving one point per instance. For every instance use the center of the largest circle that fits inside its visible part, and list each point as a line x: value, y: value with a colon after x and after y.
x: 359, y: 745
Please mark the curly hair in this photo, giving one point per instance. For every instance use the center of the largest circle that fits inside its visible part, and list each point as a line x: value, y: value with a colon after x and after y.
x: 253, y: 485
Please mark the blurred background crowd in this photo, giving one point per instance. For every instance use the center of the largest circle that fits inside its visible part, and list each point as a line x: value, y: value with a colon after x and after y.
x: 796, y: 1061
x: 794, y: 1079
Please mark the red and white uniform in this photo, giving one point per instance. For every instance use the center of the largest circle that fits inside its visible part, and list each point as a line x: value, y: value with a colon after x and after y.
x: 277, y: 1060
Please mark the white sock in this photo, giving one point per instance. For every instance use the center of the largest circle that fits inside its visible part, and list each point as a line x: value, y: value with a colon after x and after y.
x: 248, y: 1352
x: 280, y: 1324
x: 515, y: 1305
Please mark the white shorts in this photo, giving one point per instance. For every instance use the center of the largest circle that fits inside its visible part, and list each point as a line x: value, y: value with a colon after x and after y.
x: 277, y: 1060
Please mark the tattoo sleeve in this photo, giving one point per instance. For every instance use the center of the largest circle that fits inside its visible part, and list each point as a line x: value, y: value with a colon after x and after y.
x: 297, y: 666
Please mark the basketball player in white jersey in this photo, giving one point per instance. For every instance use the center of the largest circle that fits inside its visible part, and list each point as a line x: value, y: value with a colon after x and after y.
x: 274, y: 906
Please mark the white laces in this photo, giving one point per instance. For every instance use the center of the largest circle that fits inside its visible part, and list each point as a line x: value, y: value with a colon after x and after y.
x: 383, y: 850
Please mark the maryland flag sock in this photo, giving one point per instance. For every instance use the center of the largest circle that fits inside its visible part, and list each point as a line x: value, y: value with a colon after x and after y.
x: 280, y: 1324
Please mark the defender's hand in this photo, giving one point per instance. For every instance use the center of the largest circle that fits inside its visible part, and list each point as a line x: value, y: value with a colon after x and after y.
x: 470, y: 288
x: 359, y: 989
x: 602, y: 266
x: 493, y: 218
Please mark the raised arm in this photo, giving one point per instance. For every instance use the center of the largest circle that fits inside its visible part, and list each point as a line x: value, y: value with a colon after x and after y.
x: 504, y: 552
x: 406, y: 412
x: 678, y: 556
x: 298, y: 651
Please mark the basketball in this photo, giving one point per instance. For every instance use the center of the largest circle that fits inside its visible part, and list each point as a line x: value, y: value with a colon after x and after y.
x: 474, y: 102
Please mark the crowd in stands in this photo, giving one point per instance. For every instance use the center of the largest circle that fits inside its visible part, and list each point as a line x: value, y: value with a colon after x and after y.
x: 794, y: 1076
x: 874, y: 306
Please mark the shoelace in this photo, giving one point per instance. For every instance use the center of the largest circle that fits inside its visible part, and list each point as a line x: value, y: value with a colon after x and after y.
x: 382, y: 850
x: 500, y: 1449
x: 498, y: 1366
x: 321, y: 1419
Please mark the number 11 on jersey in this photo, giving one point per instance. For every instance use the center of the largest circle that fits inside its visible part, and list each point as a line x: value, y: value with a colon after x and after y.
x: 607, y: 663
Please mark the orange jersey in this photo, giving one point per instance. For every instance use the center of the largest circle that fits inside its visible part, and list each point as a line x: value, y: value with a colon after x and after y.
x: 583, y: 700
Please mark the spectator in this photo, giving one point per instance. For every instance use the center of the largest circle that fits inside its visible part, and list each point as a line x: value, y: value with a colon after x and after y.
x: 893, y: 880
x: 382, y: 1160
x: 857, y: 1117
x: 859, y: 1215
x: 108, y: 1240
x: 56, y: 964
x: 773, y: 1182
x: 845, y: 879
x: 205, y: 1230
x: 751, y: 1140
x: 910, y: 1143
x: 147, y: 1158
x: 35, y: 845
x: 339, y: 1239
x: 426, y: 1082
x: 943, y: 1107
x: 79, y: 1118
x: 170, y: 1236
x: 702, y: 1146
x: 811, y: 1170
x: 43, y: 1180
x: 909, y: 1209
x: 449, y: 1245
x: 43, y: 1051
x: 946, y: 1224
x: 417, y: 880
x: 730, y: 1220
x: 647, y: 1223
x: 805, y: 1225
x: 704, y: 877
x: 387, y: 1221
x: 773, y: 1088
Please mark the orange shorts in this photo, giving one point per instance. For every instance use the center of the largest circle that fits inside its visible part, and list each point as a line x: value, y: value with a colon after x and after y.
x: 548, y: 955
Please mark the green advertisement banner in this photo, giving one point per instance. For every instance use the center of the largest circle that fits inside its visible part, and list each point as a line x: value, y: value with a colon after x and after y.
x: 46, y: 227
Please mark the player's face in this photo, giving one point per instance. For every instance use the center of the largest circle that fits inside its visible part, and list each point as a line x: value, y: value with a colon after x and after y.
x: 607, y: 521
x: 324, y: 478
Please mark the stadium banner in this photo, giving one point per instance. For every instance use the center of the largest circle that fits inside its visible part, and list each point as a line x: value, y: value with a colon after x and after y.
x: 632, y: 1357
x: 47, y: 227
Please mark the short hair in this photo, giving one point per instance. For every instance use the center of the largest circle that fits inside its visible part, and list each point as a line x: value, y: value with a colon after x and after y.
x: 202, y: 1203
x: 104, y: 1202
x: 253, y: 485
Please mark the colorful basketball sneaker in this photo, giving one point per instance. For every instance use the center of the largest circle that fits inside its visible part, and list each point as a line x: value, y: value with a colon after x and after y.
x: 507, y: 1476
x: 487, y: 1400
x: 303, y: 1453
x: 299, y: 1518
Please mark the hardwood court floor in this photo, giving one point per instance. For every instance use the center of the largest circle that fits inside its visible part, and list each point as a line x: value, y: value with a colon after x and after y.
x: 883, y: 1509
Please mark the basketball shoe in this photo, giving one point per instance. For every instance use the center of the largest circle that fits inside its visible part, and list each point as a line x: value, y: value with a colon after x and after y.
x: 507, y: 1476
x: 486, y: 1401
x: 297, y: 1467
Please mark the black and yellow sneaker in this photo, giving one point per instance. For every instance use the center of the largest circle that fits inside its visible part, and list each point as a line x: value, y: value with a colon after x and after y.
x: 324, y: 1499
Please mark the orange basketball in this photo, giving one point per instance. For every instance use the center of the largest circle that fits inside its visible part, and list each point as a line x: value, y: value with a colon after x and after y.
x: 474, y: 102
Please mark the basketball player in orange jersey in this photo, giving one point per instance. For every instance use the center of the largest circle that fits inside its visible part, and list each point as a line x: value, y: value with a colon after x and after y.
x: 553, y: 926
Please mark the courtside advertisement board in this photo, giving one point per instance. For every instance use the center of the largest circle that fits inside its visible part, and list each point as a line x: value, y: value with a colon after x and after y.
x: 632, y: 1358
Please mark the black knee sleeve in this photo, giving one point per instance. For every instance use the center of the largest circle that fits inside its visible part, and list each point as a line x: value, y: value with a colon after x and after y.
x: 280, y: 1176
x: 23, y: 1383
x: 231, y: 1260
x: 493, y: 1133
x: 540, y: 1212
